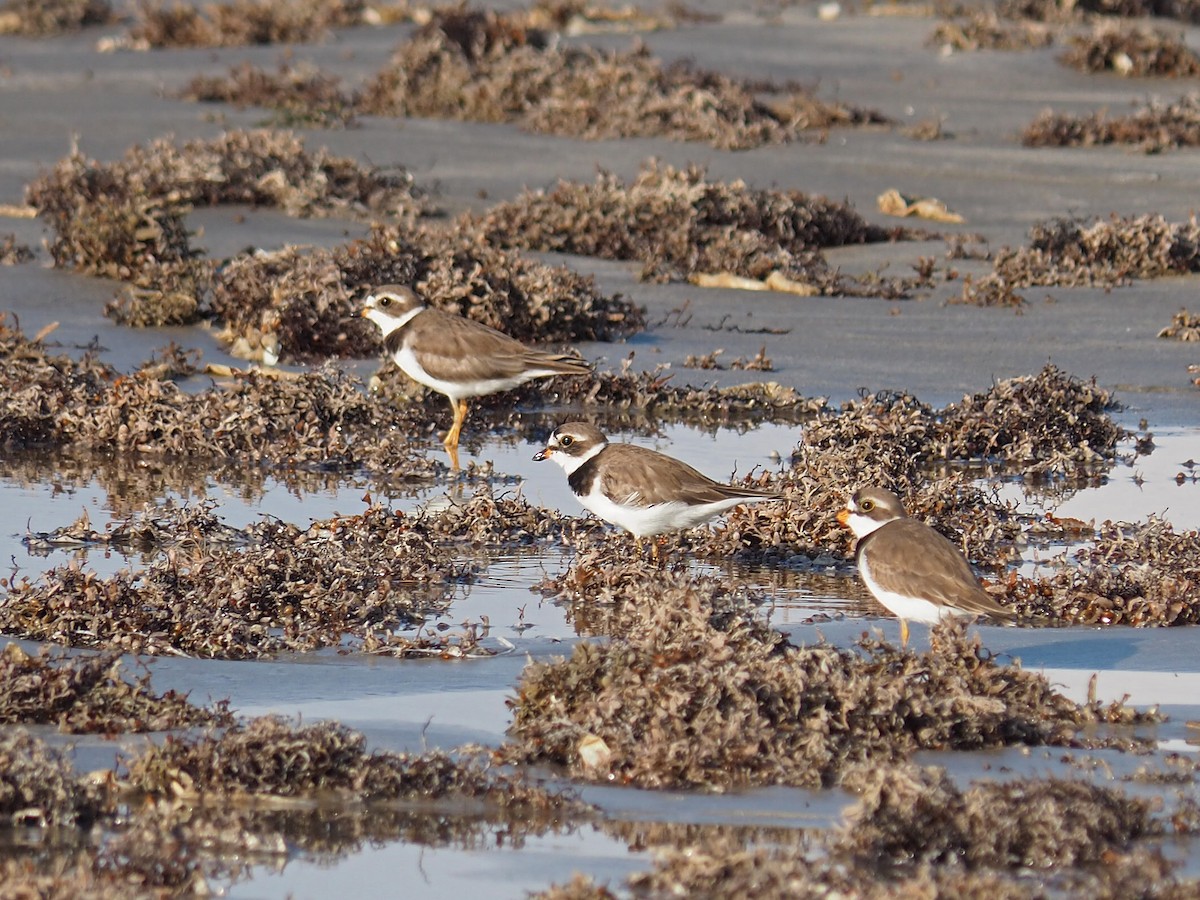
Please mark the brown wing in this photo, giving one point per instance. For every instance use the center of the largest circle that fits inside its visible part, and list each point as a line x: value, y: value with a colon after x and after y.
x: 909, y: 557
x: 458, y: 349
x: 647, y: 477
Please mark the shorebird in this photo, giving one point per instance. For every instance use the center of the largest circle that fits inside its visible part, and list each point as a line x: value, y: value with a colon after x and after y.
x: 457, y: 357
x: 640, y: 490
x: 913, y: 571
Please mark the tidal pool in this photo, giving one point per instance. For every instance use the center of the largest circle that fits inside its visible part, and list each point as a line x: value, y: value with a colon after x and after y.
x: 413, y: 705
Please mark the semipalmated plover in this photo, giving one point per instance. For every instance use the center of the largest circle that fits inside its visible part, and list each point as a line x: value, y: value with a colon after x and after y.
x: 641, y: 490
x: 913, y: 571
x: 457, y: 357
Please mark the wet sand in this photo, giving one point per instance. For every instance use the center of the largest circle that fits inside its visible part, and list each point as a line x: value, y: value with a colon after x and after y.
x: 53, y: 91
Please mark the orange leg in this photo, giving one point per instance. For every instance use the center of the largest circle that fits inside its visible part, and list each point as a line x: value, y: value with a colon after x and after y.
x: 903, y: 633
x: 460, y: 414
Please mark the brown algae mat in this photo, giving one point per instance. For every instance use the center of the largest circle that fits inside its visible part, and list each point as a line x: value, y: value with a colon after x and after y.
x: 913, y: 832
x: 126, y: 221
x: 486, y: 66
x: 1134, y: 574
x: 694, y: 689
x: 83, y: 694
x: 1101, y: 252
x: 195, y: 808
x: 1153, y: 126
x: 34, y: 18
x: 282, y: 587
x: 681, y: 226
x: 288, y: 596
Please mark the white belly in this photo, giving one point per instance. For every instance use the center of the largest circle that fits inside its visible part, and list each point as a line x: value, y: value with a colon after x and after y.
x: 458, y: 390
x: 904, y: 606
x: 645, y: 521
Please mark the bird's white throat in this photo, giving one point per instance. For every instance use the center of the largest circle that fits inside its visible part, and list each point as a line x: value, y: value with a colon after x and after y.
x: 388, y: 323
x: 862, y: 525
x: 571, y: 463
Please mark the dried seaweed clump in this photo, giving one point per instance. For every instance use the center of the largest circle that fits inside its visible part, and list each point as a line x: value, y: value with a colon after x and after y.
x: 1185, y: 326
x: 1137, y: 52
x: 1049, y: 423
x: 38, y: 786
x: 87, y: 694
x: 39, y: 18
x: 270, y: 756
x: 350, y: 580
x: 1142, y: 575
x: 621, y: 398
x: 1075, y: 253
x: 12, y: 253
x: 126, y: 219
x: 697, y: 691
x: 985, y: 29
x: 1153, y: 126
x: 485, y: 66
x: 680, y: 225
x: 237, y: 23
x: 321, y: 420
x: 908, y: 813
x: 302, y: 95
x: 296, y: 303
x: 290, y: 589
x: 914, y: 833
x: 55, y: 401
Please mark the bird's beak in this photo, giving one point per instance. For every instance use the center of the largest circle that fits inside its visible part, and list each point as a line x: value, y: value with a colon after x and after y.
x: 543, y: 455
x: 368, y: 305
x: 843, y: 517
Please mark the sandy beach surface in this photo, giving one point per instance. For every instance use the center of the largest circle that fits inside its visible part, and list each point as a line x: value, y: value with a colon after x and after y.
x: 59, y: 92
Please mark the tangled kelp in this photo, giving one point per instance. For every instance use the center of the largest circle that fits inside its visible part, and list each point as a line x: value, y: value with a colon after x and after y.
x: 909, y: 813
x: 271, y: 756
x: 679, y: 225
x: 985, y: 29
x: 301, y: 94
x: 208, y: 806
x: 1100, y: 252
x: 697, y: 690
x: 311, y: 420
x: 1045, y: 424
x: 1153, y: 126
x: 233, y: 23
x: 297, y: 302
x: 83, y: 694
x: 485, y: 66
x: 126, y: 220
x: 39, y: 18
x: 12, y: 253
x: 319, y: 420
x: 1144, y: 575
x: 915, y: 833
x: 1136, y: 52
x: 38, y: 786
x: 1029, y: 24
x: 287, y: 588
x: 1185, y: 326
x: 236, y: 23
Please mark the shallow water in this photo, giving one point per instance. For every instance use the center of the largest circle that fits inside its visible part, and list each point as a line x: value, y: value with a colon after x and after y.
x: 412, y: 705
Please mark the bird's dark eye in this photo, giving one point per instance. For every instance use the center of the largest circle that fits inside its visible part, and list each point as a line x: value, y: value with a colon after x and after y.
x: 385, y: 301
x: 867, y: 505
x: 566, y: 440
